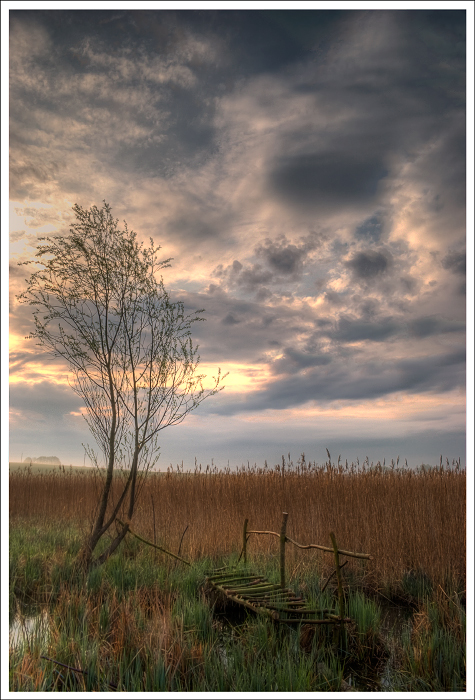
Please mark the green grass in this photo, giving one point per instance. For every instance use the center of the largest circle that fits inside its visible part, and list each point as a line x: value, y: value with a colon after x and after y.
x: 434, y: 649
x: 145, y: 623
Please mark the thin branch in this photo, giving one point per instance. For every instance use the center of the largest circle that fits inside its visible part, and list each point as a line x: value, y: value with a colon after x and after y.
x: 151, y: 544
x: 76, y: 670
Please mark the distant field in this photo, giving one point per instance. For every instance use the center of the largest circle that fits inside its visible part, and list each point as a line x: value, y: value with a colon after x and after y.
x: 45, y: 468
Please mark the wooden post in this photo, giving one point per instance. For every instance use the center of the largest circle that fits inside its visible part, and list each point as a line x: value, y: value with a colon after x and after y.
x: 244, y: 540
x: 341, y: 600
x: 282, y: 549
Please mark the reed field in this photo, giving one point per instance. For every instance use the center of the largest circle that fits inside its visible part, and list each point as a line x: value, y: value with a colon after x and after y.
x: 145, y: 621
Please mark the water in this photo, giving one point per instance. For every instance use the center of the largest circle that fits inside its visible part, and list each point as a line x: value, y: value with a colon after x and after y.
x: 32, y: 628
x: 26, y: 630
x: 394, y: 621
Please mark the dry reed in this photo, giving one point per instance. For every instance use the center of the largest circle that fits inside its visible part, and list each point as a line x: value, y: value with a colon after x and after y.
x: 408, y: 521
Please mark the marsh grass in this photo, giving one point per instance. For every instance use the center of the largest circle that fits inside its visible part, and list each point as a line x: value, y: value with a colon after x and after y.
x: 144, y: 622
x: 165, y: 637
x: 434, y: 647
x: 165, y: 634
x: 412, y: 523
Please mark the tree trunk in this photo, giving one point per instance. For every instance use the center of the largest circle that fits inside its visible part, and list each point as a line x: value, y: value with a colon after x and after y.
x: 84, y: 561
x: 110, y: 549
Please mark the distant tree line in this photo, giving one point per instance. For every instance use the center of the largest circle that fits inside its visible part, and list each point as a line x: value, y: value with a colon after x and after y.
x: 42, y: 460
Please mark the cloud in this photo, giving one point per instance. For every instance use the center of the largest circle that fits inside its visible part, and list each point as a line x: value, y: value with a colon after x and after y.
x: 28, y: 39
x: 327, y: 179
x: 305, y: 170
x: 230, y: 320
x: 16, y: 271
x: 44, y: 401
x: 455, y: 262
x: 293, y: 361
x: 368, y: 264
x: 351, y: 329
x: 285, y: 257
x: 249, y: 277
x: 254, y: 276
x: 434, y: 325
x: 279, y: 262
x: 22, y: 364
x: 371, y: 229
x: 18, y: 235
x: 349, y: 381
x: 252, y: 327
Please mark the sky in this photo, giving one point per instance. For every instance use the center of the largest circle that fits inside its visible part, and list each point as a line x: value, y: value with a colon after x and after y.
x: 306, y: 171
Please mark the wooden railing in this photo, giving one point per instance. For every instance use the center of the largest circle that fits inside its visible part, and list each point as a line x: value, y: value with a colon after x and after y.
x: 284, y: 539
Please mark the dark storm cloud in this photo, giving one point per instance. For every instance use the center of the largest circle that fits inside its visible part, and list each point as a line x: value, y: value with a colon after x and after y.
x: 382, y: 273
x: 161, y: 122
x: 175, y: 64
x: 284, y: 257
x: 422, y: 51
x: 196, y: 228
x: 250, y: 327
x: 380, y: 329
x: 455, y: 262
x: 368, y: 264
x: 327, y: 179
x: 262, y: 40
x: 400, y: 95
x: 434, y: 372
x: 253, y: 276
x: 349, y: 381
x: 352, y: 330
x: 438, y: 53
x: 294, y: 361
x: 46, y: 400
x: 199, y: 54
x: 441, y: 174
x: 408, y: 284
x: 283, y: 262
x: 434, y: 325
x: 336, y: 299
x: 249, y: 277
x: 230, y: 320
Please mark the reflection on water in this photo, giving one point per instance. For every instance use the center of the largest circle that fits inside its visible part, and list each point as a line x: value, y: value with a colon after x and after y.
x: 394, y: 622
x: 28, y: 629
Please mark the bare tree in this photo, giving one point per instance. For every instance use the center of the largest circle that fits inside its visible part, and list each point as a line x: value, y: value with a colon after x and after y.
x: 98, y: 304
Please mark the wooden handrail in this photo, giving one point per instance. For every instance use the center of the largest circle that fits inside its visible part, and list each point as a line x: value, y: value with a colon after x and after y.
x: 344, y: 552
